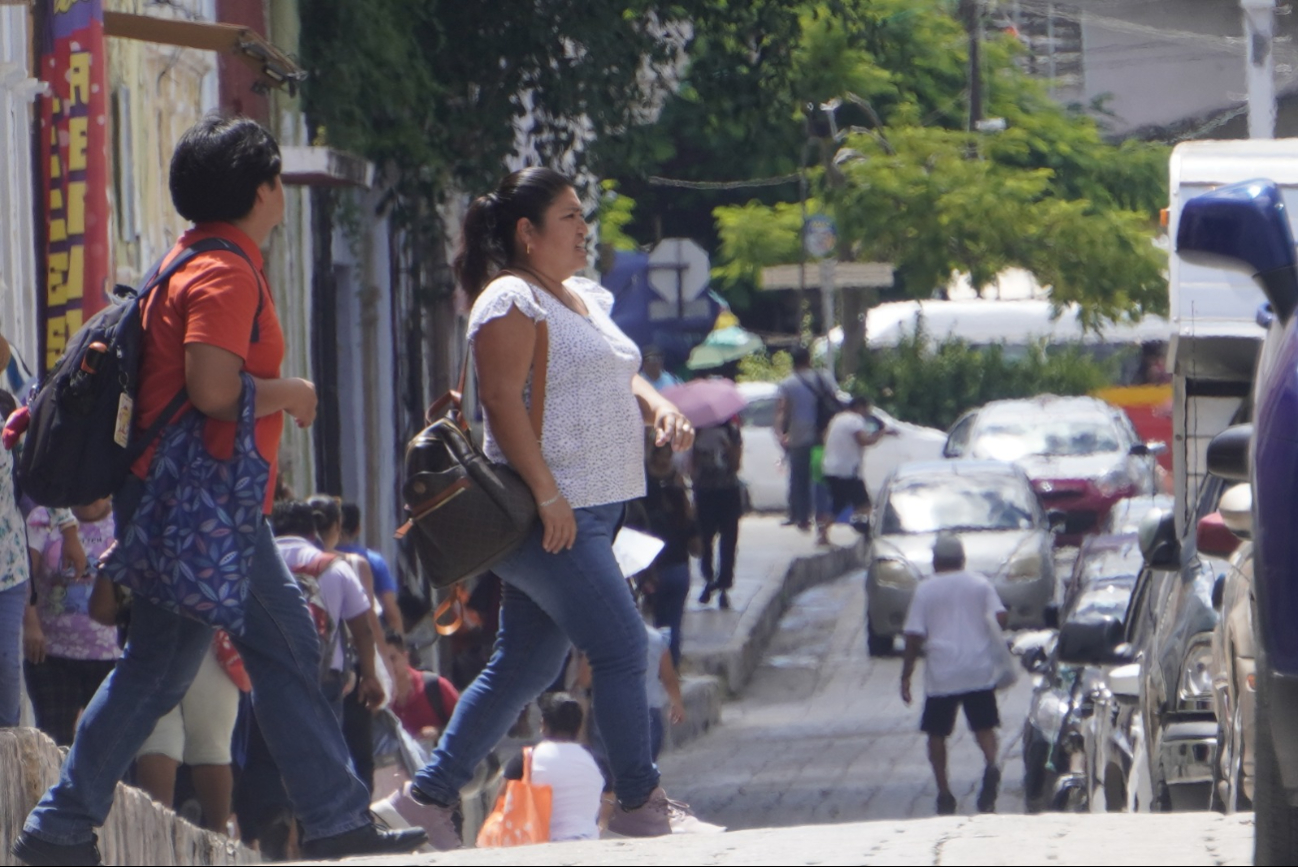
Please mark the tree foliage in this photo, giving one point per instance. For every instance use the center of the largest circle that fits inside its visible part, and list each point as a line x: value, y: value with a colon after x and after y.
x: 904, y: 180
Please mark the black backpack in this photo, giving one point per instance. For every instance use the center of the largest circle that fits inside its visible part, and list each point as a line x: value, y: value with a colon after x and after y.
x: 82, y: 441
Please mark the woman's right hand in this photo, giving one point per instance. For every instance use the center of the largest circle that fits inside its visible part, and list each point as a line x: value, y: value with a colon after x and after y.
x: 559, y: 523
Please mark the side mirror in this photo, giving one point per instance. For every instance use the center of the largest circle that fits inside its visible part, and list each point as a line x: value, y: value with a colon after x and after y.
x: 1158, y: 544
x: 1218, y: 592
x: 1148, y: 450
x: 1091, y: 641
x: 1057, y: 519
x: 1212, y: 536
x: 1124, y: 681
x: 1243, y: 227
x: 1236, y: 509
x: 1228, y: 453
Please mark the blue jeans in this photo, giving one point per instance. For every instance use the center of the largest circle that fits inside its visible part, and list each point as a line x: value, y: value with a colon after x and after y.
x: 13, y: 602
x: 281, y: 652
x: 669, y: 603
x: 551, y: 600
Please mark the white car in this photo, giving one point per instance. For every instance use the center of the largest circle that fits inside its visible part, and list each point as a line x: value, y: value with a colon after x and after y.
x: 767, y: 476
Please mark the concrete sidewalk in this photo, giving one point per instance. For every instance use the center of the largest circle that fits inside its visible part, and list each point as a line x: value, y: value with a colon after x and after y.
x: 1110, y: 839
x: 774, y: 564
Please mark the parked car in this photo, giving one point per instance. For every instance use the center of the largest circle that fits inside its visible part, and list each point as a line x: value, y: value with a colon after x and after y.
x: 1126, y: 514
x: 1234, y: 653
x: 1169, y: 628
x: 1061, y: 757
x: 764, y: 471
x: 990, y: 506
x: 1246, y: 227
x: 1081, y: 454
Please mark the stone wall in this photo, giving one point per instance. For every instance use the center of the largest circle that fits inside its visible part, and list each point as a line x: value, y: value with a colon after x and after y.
x: 138, y: 831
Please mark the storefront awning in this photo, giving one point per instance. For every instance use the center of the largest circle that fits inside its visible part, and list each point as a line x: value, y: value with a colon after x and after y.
x: 275, y: 68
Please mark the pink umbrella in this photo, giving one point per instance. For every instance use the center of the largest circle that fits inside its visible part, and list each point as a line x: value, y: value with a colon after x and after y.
x: 707, y: 402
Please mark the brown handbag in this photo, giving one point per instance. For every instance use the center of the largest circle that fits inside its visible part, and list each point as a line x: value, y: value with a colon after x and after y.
x: 466, y: 512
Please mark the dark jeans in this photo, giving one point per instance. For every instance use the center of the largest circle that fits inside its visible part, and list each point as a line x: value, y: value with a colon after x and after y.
x: 551, y: 602
x: 669, y: 603
x: 280, y: 650
x: 799, y: 458
x: 59, y: 688
x: 719, y: 512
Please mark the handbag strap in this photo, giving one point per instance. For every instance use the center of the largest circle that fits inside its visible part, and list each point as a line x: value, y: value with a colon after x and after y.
x: 454, y: 399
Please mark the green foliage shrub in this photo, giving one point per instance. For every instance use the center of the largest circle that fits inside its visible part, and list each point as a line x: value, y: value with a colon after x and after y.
x: 933, y: 384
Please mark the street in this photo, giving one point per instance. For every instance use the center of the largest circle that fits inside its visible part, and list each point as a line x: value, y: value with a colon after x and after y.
x: 820, y: 735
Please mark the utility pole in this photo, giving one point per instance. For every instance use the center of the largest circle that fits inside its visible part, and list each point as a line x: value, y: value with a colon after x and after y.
x: 1259, y: 30
x: 971, y: 12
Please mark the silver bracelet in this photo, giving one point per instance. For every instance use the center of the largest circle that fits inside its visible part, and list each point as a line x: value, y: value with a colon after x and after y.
x: 551, y: 501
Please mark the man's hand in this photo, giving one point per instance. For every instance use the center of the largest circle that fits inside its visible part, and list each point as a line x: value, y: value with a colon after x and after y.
x: 33, y: 636
x: 369, y: 692
x: 677, y: 713
x: 905, y: 690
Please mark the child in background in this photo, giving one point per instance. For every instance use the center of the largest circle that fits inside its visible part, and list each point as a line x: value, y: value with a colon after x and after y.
x: 421, y: 700
x: 567, y: 767
x: 67, y: 653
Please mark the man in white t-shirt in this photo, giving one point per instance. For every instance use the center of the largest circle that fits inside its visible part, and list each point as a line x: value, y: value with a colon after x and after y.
x: 847, y: 435
x: 950, y: 618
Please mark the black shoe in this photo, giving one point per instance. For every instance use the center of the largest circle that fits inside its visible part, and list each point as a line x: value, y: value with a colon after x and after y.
x: 36, y: 852
x: 723, y: 602
x: 706, y: 596
x: 366, y: 840
x: 946, y: 804
x: 990, y: 788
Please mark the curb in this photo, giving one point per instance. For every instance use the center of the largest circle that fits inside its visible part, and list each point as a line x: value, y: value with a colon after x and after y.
x: 138, y: 830
x: 703, y: 697
x: 734, y: 664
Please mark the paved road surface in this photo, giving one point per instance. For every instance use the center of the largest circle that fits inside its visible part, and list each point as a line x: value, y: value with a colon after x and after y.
x: 821, y: 734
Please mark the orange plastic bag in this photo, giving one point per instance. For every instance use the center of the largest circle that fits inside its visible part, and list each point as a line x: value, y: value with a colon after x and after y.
x: 522, y: 812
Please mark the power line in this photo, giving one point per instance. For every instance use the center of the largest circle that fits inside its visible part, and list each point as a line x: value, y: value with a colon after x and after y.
x: 655, y: 181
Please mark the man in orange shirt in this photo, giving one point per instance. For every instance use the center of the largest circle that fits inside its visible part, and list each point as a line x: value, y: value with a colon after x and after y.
x: 215, y: 319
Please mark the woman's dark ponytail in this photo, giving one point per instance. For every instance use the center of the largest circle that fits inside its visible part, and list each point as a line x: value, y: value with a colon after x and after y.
x: 487, y: 236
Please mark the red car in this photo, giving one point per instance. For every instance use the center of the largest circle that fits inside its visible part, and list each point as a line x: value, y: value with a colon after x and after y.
x: 1081, y: 454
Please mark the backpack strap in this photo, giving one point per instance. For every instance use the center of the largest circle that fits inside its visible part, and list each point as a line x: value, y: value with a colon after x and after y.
x: 159, y: 276
x: 316, y: 567
x: 433, y: 692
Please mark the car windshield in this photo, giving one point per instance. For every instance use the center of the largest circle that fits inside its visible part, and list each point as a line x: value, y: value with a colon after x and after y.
x: 1009, y: 440
x: 984, y: 502
x: 1105, y: 601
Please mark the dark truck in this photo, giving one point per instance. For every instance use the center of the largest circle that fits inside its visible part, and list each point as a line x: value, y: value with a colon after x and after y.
x: 1245, y: 227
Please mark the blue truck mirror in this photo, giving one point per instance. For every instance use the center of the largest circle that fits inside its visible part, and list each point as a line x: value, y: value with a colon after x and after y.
x: 1244, y: 227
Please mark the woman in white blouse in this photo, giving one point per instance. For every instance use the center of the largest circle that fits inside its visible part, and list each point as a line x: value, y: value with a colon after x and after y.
x: 522, y: 246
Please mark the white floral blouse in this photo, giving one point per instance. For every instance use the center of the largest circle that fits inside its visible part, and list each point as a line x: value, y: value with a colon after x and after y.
x: 13, y: 530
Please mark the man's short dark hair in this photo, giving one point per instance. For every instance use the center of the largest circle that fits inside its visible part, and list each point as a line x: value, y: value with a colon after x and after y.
x: 351, y: 519
x: 948, y: 553
x: 801, y: 356
x: 561, y: 714
x: 218, y: 166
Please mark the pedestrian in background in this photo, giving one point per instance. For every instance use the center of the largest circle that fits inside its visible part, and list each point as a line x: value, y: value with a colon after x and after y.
x: 847, y: 436
x: 215, y: 320
x: 521, y: 247
x: 654, y: 372
x: 796, y: 426
x: 666, y: 514
x: 949, y: 620
x: 718, y: 499
x: 68, y: 654
x: 385, y: 586
x: 15, y: 569
x: 422, y: 700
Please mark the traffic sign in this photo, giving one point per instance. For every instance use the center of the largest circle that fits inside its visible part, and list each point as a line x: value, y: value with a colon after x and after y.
x: 819, y: 236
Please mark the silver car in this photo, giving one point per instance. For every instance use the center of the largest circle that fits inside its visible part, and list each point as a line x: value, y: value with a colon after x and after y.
x: 992, y: 508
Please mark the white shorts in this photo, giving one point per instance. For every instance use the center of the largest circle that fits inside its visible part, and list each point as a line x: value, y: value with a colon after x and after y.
x: 198, y: 730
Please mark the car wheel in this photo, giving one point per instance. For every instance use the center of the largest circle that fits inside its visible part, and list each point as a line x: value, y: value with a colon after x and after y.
x: 876, y: 644
x: 1036, y: 798
x: 1162, y: 800
x: 1115, y: 790
x: 1276, y: 838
